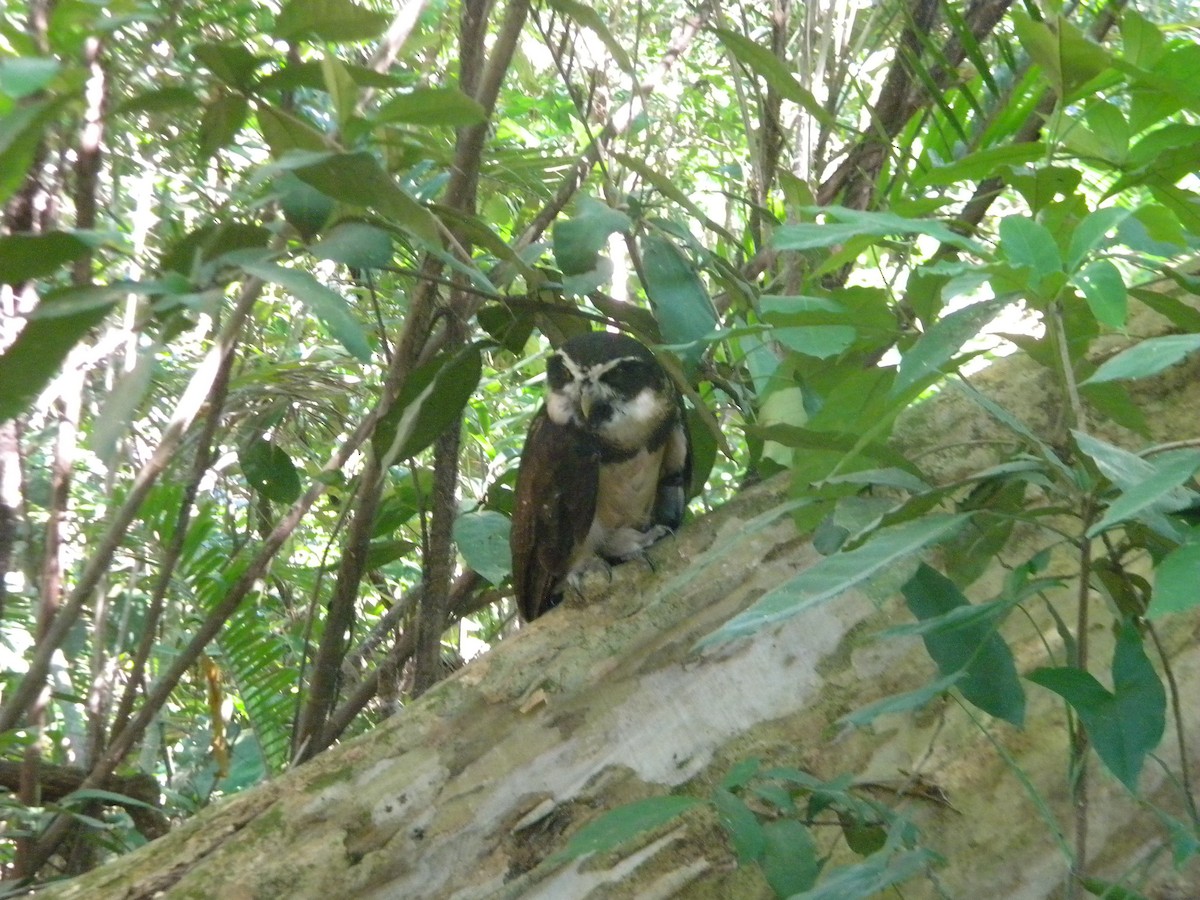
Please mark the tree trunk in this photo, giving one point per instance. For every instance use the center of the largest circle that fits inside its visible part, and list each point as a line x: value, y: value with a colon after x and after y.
x: 471, y: 791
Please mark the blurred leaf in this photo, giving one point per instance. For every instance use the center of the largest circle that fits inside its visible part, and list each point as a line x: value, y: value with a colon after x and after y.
x: 1089, y: 233
x: 588, y: 17
x: 305, y: 208
x: 355, y: 244
x: 270, y: 471
x: 432, y: 106
x: 741, y: 773
x: 579, y: 240
x: 1123, y: 725
x: 1165, y: 478
x: 35, y: 357
x: 944, y: 338
x: 790, y: 859
x: 616, y: 826
x: 902, y: 703
x: 981, y: 164
x: 231, y: 63
x: 1177, y: 580
x: 872, y: 876
x: 834, y: 575
x: 432, y: 399
x: 163, y: 99
x: 1028, y: 244
x: 482, y: 540
x: 845, y: 224
x: 744, y: 830
x: 684, y: 311
x: 23, y: 77
x: 223, y: 119
x: 1104, y: 290
x: 775, y: 72
x: 1147, y: 357
x: 120, y: 405
x: 336, y: 21
x: 990, y: 681
x: 340, y: 87
x: 24, y: 257
x: 358, y: 179
x: 284, y: 132
x: 380, y: 553
x: 326, y: 304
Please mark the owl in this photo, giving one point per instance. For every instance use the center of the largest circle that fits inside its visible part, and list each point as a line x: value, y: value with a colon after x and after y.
x: 605, y: 469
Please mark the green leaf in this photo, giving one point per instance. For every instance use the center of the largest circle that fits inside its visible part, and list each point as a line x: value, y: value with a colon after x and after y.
x: 981, y: 164
x: 39, y: 350
x: 358, y: 179
x: 775, y: 73
x: 380, y: 553
x: 744, y: 830
x: 790, y: 860
x: 163, y: 99
x: 431, y: 401
x: 23, y: 77
x: 305, y: 208
x: 844, y: 224
x: 579, y: 240
x: 1146, y: 358
x: 588, y: 17
x: 661, y: 182
x: 741, y: 773
x: 111, y: 798
x: 1109, y: 890
x: 990, y: 681
x: 872, y: 876
x: 340, y: 87
x: 1029, y: 244
x: 336, y: 21
x: 937, y: 346
x: 270, y: 471
x: 1176, y: 578
x: 356, y: 244
x: 326, y: 304
x: 432, y: 106
x: 1126, y: 724
x: 482, y: 540
x: 223, y: 119
x: 285, y: 132
x: 618, y: 825
x: 27, y: 256
x: 1092, y: 231
x: 1126, y: 470
x: 684, y: 311
x: 834, y: 575
x: 1150, y: 492
x: 906, y: 702
x: 231, y: 63
x: 1104, y: 289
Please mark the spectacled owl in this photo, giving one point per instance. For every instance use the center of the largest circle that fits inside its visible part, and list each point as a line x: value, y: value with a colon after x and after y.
x: 605, y: 468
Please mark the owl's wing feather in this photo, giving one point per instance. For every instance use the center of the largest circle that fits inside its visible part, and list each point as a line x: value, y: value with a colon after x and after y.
x: 675, y: 480
x: 552, y: 512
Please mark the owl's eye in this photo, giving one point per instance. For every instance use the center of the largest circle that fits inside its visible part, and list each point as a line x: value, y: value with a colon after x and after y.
x: 629, y: 376
x: 557, y: 374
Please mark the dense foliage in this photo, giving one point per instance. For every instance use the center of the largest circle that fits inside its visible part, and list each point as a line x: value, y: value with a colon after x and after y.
x: 277, y: 283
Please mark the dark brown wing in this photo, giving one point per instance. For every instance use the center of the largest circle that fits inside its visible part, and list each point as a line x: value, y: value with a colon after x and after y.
x: 674, y: 482
x: 553, y: 510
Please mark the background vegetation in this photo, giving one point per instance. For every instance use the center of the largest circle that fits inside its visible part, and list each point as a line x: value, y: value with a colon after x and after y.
x: 278, y: 282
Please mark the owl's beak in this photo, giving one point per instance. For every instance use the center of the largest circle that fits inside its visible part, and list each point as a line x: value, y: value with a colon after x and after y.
x: 585, y: 403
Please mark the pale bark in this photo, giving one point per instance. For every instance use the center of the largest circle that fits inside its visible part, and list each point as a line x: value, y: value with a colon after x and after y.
x: 469, y: 792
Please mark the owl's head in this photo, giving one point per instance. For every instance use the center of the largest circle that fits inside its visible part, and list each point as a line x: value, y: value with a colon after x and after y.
x: 610, y: 385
